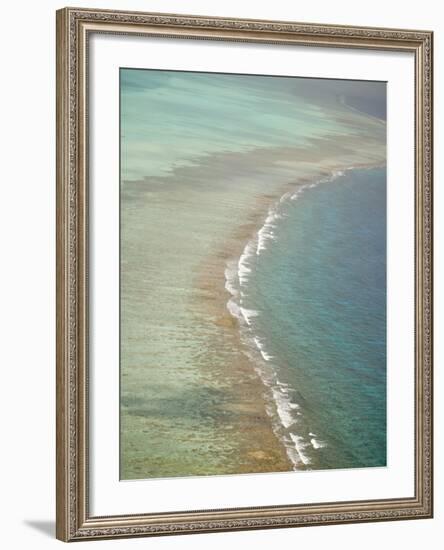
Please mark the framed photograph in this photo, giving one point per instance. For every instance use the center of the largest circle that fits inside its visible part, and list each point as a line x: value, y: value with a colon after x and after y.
x: 244, y: 274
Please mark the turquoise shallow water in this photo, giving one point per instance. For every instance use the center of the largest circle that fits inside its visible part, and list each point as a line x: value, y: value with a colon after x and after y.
x: 314, y: 293
x: 173, y: 119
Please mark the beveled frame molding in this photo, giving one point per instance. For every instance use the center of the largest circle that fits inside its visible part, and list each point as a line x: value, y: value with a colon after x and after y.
x: 73, y: 519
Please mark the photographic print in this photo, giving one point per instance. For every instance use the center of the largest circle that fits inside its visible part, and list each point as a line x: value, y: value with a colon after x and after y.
x: 244, y: 274
x: 252, y: 274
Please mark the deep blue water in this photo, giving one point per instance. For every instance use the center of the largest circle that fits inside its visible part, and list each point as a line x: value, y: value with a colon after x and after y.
x: 320, y: 292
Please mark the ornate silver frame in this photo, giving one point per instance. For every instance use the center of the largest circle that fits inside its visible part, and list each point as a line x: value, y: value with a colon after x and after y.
x: 73, y: 519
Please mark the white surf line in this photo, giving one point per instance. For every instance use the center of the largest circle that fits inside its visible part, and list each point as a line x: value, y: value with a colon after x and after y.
x: 286, y: 410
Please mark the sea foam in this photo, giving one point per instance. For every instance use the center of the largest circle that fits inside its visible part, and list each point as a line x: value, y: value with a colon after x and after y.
x: 266, y: 232
x: 237, y: 276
